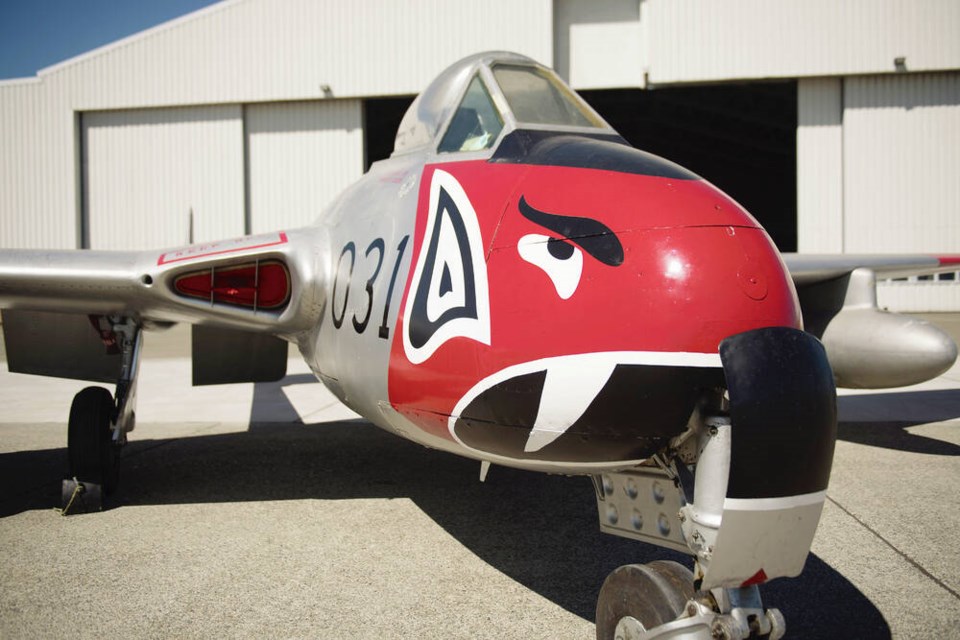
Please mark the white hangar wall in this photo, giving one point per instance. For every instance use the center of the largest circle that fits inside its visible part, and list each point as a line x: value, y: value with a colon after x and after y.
x: 878, y: 171
x: 300, y: 154
x: 165, y: 177
x: 243, y: 51
x: 251, y: 57
x: 600, y: 45
x: 39, y: 168
x: 690, y: 41
x: 146, y: 170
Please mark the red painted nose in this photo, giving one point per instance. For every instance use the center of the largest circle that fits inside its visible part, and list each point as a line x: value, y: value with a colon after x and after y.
x: 579, y: 292
x: 600, y: 320
x: 631, y: 263
x: 606, y: 343
x: 680, y: 289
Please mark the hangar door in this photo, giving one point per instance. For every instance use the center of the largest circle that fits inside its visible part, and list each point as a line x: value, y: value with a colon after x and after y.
x: 901, y: 157
x: 145, y: 170
x: 301, y: 155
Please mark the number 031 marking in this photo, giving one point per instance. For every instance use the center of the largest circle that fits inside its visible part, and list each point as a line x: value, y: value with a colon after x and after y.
x: 338, y: 310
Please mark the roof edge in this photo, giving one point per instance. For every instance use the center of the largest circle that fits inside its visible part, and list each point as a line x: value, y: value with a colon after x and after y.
x: 140, y: 35
x: 10, y: 82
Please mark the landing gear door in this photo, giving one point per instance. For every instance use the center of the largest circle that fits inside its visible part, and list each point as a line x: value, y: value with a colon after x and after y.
x: 783, y: 430
x: 60, y: 345
x: 225, y: 356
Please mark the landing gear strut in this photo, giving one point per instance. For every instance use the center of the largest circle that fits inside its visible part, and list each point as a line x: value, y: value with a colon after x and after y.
x: 741, y: 490
x: 664, y: 599
x: 98, y: 426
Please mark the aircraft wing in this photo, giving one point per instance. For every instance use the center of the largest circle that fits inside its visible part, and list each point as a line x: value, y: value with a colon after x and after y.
x: 810, y: 268
x: 869, y: 348
x: 61, y: 307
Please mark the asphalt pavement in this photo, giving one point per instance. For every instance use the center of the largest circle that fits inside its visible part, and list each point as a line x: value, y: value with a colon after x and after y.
x: 271, y: 510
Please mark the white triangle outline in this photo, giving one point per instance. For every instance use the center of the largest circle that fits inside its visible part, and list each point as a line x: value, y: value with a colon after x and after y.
x: 472, y: 328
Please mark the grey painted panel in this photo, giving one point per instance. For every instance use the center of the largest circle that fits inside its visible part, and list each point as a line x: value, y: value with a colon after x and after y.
x: 224, y: 356
x: 61, y: 345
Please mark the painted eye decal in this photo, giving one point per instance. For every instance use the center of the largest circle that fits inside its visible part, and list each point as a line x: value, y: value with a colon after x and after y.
x: 559, y: 259
x: 449, y: 296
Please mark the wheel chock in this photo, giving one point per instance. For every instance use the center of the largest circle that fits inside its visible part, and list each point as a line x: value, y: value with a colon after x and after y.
x: 77, y: 496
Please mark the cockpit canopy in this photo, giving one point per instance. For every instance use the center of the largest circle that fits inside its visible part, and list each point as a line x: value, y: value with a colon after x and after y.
x: 476, y: 99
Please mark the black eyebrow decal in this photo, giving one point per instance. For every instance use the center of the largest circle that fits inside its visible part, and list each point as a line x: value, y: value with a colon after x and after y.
x: 593, y: 236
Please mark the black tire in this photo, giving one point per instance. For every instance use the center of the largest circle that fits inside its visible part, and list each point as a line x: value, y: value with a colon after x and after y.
x: 92, y: 453
x: 653, y: 593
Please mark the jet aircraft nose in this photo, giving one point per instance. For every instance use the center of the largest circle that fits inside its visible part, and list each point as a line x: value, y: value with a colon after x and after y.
x: 625, y: 262
x: 596, y: 291
x: 640, y: 287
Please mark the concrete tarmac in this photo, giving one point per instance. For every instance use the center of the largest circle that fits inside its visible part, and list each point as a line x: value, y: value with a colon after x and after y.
x: 271, y: 510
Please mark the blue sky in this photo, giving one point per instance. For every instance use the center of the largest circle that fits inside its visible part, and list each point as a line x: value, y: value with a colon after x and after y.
x: 38, y: 33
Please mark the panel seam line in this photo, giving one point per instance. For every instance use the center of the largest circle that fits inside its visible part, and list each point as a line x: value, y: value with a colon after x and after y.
x: 900, y: 553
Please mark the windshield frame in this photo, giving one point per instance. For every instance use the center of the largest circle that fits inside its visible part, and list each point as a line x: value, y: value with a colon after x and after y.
x: 494, y: 103
x: 481, y: 70
x: 481, y: 66
x: 484, y: 69
x: 569, y: 98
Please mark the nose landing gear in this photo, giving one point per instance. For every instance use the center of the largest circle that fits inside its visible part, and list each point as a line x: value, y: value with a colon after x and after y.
x: 636, y: 598
x: 741, y: 490
x: 658, y: 601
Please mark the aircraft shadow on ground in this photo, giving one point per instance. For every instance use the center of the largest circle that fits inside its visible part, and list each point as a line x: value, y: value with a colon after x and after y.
x: 539, y: 530
x: 930, y: 406
x: 270, y: 404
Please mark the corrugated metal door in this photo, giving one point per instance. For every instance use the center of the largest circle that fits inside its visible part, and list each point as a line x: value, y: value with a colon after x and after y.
x: 145, y: 170
x: 301, y: 155
x: 901, y: 156
x: 695, y: 41
x: 820, y: 165
x: 901, y: 162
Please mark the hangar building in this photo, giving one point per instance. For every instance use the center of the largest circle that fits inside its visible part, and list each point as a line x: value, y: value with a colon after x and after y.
x: 837, y: 124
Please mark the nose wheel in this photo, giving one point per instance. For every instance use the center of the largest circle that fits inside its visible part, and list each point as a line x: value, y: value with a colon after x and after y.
x: 636, y: 598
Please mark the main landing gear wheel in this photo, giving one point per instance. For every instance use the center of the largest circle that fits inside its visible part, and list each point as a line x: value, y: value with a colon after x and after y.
x: 91, y: 450
x: 649, y: 594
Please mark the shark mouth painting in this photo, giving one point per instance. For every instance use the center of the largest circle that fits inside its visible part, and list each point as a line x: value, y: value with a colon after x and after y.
x: 611, y: 406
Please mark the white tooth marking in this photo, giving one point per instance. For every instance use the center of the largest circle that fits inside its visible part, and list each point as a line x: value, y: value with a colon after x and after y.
x: 568, y: 390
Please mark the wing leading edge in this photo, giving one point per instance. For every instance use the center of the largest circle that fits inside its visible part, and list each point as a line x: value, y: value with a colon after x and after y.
x: 61, y: 308
x: 233, y: 283
x: 810, y: 268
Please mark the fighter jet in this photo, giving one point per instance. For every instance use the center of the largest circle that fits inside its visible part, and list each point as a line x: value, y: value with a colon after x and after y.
x: 518, y: 285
